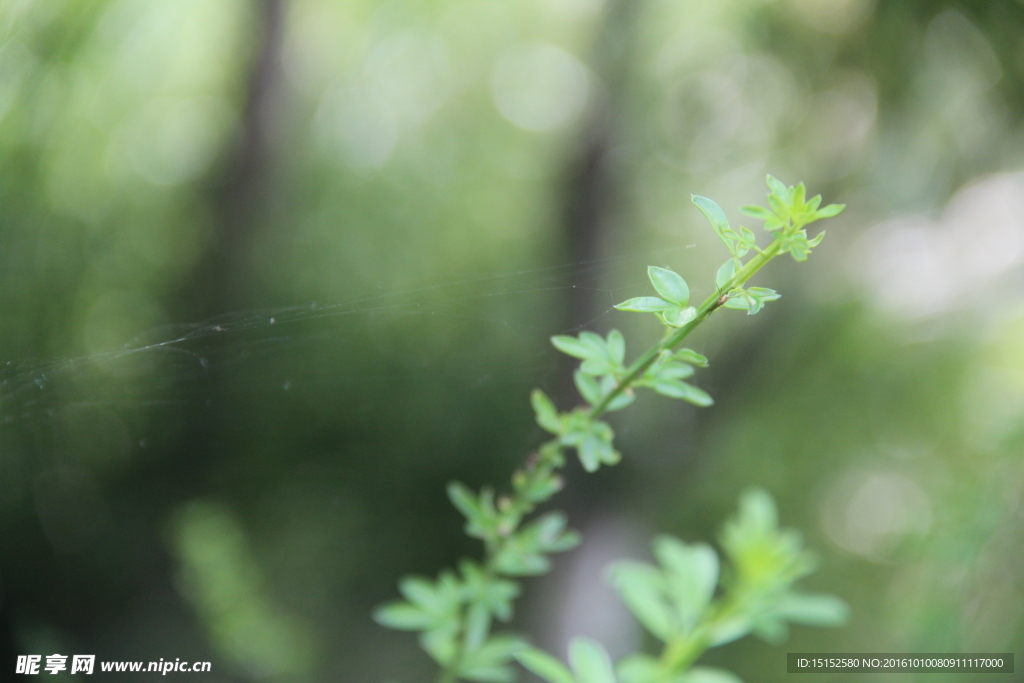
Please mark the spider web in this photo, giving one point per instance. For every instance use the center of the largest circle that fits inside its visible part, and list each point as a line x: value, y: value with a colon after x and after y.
x: 172, y: 364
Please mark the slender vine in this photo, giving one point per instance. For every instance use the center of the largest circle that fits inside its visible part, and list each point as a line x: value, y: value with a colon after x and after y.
x: 682, y: 601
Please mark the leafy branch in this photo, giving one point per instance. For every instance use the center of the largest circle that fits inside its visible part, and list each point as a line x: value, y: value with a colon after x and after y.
x: 454, y: 613
x: 676, y: 602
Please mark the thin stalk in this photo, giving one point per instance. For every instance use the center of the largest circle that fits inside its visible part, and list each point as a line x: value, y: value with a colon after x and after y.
x: 679, y: 655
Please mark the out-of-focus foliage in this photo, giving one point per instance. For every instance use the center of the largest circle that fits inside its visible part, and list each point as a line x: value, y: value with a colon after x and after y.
x: 220, y: 577
x: 293, y: 265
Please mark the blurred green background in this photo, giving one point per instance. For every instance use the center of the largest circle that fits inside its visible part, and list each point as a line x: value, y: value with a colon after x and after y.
x: 273, y: 272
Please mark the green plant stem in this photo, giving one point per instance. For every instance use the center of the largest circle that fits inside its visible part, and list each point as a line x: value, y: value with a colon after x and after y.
x: 716, y: 300
x: 680, y: 654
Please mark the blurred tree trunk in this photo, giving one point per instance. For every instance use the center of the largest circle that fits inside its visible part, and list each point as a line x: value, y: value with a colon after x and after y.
x: 240, y: 196
x: 593, y: 192
x: 238, y: 201
x: 593, y: 185
x: 195, y: 434
x: 591, y: 182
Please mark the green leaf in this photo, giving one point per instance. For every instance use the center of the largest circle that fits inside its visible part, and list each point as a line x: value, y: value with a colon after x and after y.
x: 596, y: 449
x: 552, y: 451
x: 642, y: 588
x: 403, y: 616
x: 691, y: 356
x: 502, y: 647
x: 537, y: 488
x: 725, y: 273
x: 757, y: 509
x: 441, y: 644
x: 608, y: 383
x: 522, y: 553
x: 489, y: 662
x: 771, y: 630
x: 687, y: 392
x: 590, y: 662
x: 590, y: 453
x: 421, y: 591
x: 482, y: 588
x: 757, y: 212
x: 704, y: 674
x: 670, y: 388
x: 829, y: 211
x: 697, y: 396
x: 798, y: 195
x: 578, y: 426
x: 763, y: 293
x: 588, y: 387
x: 813, y: 609
x: 640, y: 669
x: 671, y: 370
x: 481, y: 517
x: 595, y: 343
x: 762, y: 554
x: 739, y: 301
x: 621, y: 401
x: 488, y: 674
x: 730, y: 630
x: 713, y: 212
x: 669, y: 284
x: 756, y: 297
x: 747, y: 240
x: 598, y: 357
x: 780, y: 207
x: 778, y: 188
x: 798, y: 246
x: 616, y: 346
x: 551, y: 533
x: 574, y: 347
x: 547, y: 414
x: 691, y: 574
x: 441, y: 601
x: 678, y: 316
x: 645, y: 304
x: 477, y: 626
x: 597, y: 367
x: 544, y: 665
x: 514, y: 561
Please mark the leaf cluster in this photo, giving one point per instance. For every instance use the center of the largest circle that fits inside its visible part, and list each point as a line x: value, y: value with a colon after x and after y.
x: 671, y: 307
x: 789, y: 212
x: 600, y: 378
x: 690, y: 605
x: 436, y: 608
x: 455, y: 612
x: 665, y: 376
